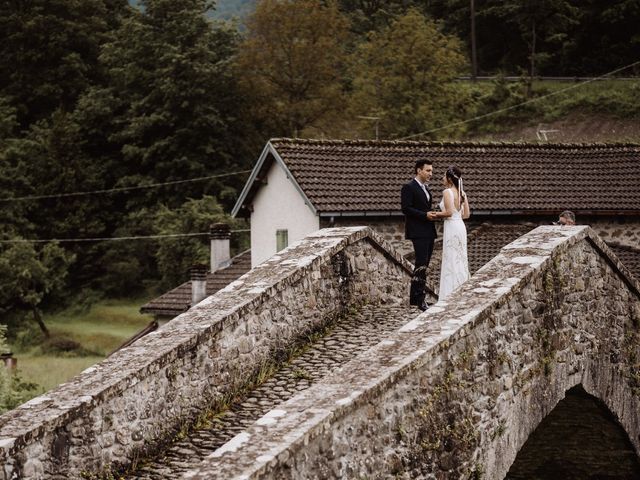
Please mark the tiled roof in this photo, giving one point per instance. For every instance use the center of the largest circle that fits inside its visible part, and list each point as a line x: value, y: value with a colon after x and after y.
x: 629, y: 256
x: 486, y: 241
x: 178, y: 300
x: 359, y: 175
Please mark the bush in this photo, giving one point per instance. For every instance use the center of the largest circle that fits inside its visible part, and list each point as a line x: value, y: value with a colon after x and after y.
x: 13, y: 391
x: 26, y: 335
x: 176, y: 256
x: 65, y: 347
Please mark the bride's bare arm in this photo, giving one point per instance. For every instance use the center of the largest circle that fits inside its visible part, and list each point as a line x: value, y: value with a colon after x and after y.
x: 466, y: 211
x: 449, y: 207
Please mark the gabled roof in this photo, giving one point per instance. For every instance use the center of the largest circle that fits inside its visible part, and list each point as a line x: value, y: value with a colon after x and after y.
x: 486, y: 241
x: 268, y: 157
x: 364, y: 177
x: 178, y: 300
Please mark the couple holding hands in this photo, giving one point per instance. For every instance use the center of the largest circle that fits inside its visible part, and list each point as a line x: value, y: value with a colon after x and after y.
x: 416, y: 201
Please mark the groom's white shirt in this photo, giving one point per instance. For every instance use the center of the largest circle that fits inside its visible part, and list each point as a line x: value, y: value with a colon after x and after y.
x: 424, y: 188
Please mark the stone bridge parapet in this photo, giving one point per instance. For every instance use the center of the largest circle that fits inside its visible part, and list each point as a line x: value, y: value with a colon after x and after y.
x: 456, y: 392
x: 138, y: 398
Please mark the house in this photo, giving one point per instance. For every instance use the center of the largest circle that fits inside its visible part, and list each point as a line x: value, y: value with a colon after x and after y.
x: 298, y: 186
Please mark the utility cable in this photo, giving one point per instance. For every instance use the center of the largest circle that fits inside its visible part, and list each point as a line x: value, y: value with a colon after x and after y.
x: 103, y: 239
x: 120, y: 189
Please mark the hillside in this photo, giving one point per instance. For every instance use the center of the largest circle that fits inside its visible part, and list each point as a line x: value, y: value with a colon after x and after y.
x: 575, y: 128
x: 603, y: 112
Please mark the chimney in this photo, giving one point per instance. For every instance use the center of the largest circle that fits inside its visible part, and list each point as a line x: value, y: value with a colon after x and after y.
x: 219, y: 234
x: 198, y: 283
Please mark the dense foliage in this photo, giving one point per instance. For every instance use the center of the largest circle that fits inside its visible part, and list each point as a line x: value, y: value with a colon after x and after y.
x: 557, y: 37
x: 404, y: 75
x: 291, y: 63
x: 98, y: 95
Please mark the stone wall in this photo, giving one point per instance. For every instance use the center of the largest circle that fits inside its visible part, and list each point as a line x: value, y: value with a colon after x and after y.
x: 456, y: 392
x: 142, y: 395
x: 619, y: 231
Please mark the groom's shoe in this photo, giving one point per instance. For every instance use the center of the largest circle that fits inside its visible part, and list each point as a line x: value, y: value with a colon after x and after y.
x: 423, y: 306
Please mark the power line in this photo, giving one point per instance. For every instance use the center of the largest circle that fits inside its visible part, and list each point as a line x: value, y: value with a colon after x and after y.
x: 103, y: 239
x: 526, y: 102
x: 120, y: 189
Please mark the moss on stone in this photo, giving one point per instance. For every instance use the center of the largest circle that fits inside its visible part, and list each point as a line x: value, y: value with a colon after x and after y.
x: 446, y: 436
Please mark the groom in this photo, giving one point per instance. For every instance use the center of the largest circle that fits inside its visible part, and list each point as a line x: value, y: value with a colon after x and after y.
x: 416, y: 201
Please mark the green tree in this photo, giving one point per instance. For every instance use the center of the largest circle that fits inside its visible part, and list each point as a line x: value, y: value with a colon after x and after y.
x: 49, y: 51
x: 49, y: 57
x: 129, y: 267
x: 169, y: 109
x: 572, y: 37
x: 176, y: 256
x: 606, y: 38
x: 403, y: 74
x: 12, y: 171
x: 291, y: 63
x: 48, y: 160
x: 539, y: 22
x: 30, y: 276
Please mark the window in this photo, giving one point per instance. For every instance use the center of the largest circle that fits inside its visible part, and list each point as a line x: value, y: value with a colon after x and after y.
x: 282, y: 239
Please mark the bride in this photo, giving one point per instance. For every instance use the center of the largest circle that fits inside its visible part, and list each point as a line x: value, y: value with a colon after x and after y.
x: 454, y: 208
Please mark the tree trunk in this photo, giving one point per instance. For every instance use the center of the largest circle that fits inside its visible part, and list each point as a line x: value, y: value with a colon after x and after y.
x: 532, y: 59
x: 38, y: 318
x: 474, y: 55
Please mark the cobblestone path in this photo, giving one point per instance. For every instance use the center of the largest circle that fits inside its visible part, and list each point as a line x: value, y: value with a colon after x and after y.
x: 346, y: 340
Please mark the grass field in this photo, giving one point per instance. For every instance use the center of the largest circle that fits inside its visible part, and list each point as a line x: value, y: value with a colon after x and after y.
x: 99, y: 331
x: 552, y: 100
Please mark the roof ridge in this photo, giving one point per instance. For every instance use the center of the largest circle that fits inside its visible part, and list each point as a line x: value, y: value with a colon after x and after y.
x: 451, y: 143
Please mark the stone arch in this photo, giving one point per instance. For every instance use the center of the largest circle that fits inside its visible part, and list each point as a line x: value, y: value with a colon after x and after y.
x: 579, y: 438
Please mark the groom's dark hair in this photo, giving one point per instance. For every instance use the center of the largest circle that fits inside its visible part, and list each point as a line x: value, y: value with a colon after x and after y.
x: 420, y: 164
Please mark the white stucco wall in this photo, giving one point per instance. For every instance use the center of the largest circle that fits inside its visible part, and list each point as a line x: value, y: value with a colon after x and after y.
x: 278, y: 205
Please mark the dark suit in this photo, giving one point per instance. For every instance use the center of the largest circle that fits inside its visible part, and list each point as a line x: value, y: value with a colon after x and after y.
x: 421, y: 231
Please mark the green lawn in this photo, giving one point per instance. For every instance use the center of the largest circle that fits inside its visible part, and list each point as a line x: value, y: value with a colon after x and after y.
x: 102, y: 329
x: 99, y: 331
x: 49, y: 371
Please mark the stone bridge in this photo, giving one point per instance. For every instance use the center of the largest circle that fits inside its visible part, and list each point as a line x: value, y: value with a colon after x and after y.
x: 454, y: 392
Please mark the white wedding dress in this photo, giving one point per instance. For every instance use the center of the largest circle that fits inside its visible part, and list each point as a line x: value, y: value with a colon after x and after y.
x: 455, y: 265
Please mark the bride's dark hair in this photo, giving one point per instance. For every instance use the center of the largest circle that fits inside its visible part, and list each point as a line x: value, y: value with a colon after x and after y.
x: 454, y: 174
